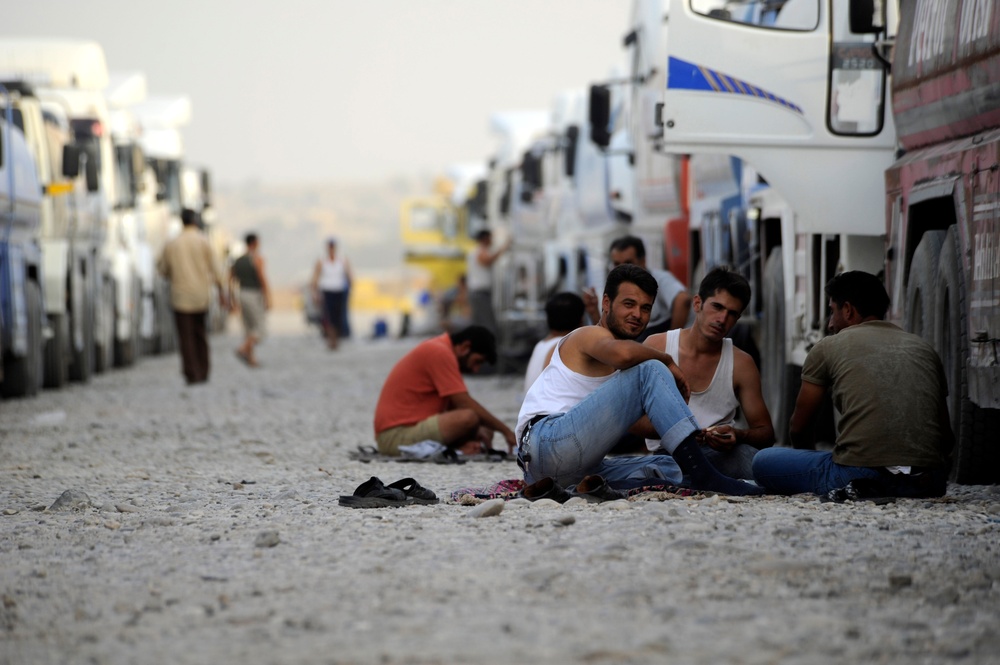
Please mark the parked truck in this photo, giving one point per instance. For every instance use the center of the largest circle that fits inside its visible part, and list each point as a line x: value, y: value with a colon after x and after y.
x: 21, y: 304
x: 800, y: 91
x: 74, y: 75
x: 66, y: 235
x: 793, y: 92
x: 942, y: 204
x: 161, y: 119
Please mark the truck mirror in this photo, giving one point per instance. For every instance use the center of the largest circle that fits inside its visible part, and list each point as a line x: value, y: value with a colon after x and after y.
x: 600, y: 115
x: 71, y: 161
x: 862, y: 17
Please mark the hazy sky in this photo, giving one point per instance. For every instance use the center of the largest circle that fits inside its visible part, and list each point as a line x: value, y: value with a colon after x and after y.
x: 314, y: 90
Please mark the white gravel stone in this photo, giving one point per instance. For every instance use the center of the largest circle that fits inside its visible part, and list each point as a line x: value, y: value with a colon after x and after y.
x: 191, y: 476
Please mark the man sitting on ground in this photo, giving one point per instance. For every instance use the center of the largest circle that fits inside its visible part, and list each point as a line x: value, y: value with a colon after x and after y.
x: 563, y: 314
x: 722, y: 377
x: 673, y: 302
x: 894, y: 434
x: 598, y: 384
x: 425, y: 398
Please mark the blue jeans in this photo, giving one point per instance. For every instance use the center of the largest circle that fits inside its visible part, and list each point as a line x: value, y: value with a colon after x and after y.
x: 793, y: 471
x: 568, y: 446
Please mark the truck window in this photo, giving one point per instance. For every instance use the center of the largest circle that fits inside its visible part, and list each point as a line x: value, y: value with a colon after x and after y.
x: 777, y: 14
x: 16, y: 117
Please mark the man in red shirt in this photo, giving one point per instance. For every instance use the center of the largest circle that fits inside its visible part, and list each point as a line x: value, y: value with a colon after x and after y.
x: 424, y: 396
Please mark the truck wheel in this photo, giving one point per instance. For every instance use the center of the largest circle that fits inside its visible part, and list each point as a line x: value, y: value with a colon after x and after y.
x: 57, y: 353
x: 975, y: 458
x: 83, y: 359
x: 104, y: 345
x: 918, y: 313
x: 22, y: 375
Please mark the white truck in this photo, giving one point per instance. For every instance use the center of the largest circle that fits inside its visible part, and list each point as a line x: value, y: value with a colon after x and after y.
x: 139, y: 211
x: 21, y: 305
x: 791, y: 91
x: 161, y: 119
x: 66, y: 236
x: 74, y: 75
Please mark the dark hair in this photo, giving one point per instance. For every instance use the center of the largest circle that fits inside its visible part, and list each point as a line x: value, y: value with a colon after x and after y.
x: 250, y: 239
x: 564, y: 311
x: 483, y: 341
x: 862, y: 289
x: 629, y: 272
x: 629, y: 242
x: 723, y: 277
x: 482, y: 235
x: 189, y: 217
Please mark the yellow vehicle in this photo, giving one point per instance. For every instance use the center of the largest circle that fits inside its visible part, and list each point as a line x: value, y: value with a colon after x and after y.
x: 435, y: 234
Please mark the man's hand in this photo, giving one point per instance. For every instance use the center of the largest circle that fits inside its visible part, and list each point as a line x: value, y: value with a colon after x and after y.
x: 718, y: 437
x: 511, y: 440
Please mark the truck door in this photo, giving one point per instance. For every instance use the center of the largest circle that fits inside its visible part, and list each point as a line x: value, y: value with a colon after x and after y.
x: 787, y: 87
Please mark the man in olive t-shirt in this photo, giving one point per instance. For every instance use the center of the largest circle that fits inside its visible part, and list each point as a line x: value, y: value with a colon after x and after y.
x: 894, y: 434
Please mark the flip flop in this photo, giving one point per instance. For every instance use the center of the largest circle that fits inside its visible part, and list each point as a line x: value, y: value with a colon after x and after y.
x: 373, y: 494
x: 414, y: 492
x: 364, y: 454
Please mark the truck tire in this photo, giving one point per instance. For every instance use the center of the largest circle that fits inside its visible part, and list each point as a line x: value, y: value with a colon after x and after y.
x: 22, y: 376
x: 918, y: 312
x: 82, y: 367
x: 777, y: 378
x: 976, y: 456
x: 104, y: 344
x: 125, y: 349
x: 57, y: 353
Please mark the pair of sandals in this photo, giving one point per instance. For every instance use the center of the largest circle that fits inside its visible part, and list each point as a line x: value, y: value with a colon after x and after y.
x: 593, y: 489
x: 373, y: 493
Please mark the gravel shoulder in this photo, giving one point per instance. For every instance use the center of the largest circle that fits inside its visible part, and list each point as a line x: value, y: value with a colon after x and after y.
x: 206, y: 529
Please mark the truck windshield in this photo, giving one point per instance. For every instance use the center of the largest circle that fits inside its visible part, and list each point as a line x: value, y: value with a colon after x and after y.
x: 777, y: 14
x: 168, y: 182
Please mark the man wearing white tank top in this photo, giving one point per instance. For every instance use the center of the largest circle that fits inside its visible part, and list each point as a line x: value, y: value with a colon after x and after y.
x: 722, y: 377
x: 599, y: 383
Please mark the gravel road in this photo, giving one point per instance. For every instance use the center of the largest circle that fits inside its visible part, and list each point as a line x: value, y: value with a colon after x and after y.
x: 143, y: 521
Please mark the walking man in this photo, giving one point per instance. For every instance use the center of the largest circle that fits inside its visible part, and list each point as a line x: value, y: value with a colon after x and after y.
x: 188, y: 263
x: 330, y: 283
x: 254, y: 298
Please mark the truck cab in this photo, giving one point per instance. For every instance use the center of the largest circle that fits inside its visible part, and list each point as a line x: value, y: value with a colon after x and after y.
x: 790, y: 90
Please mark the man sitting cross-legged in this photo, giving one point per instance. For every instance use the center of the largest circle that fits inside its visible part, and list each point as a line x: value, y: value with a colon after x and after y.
x: 598, y: 384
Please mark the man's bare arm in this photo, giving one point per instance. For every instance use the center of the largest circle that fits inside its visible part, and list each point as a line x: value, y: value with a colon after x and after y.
x: 746, y: 380
x: 594, y: 347
x: 466, y: 401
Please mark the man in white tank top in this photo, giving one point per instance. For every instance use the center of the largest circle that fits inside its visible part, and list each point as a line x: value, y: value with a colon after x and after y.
x: 600, y: 383
x: 722, y: 378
